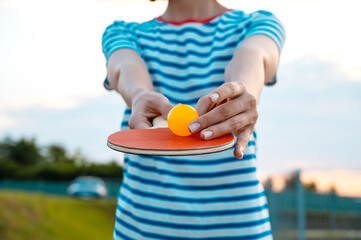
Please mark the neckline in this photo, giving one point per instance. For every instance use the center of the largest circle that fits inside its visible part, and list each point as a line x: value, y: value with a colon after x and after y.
x: 192, y: 20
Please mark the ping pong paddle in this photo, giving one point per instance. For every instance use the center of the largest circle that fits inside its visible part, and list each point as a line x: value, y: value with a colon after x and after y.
x: 160, y: 141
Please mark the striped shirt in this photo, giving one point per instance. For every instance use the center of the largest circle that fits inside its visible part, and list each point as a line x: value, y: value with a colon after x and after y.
x: 211, y: 196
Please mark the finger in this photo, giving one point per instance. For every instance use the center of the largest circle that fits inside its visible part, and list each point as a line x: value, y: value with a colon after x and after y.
x: 242, y: 142
x: 226, y: 90
x: 161, y: 105
x: 214, y: 105
x: 165, y: 109
x: 204, y: 105
x: 139, y: 121
x: 159, y: 122
x: 233, y: 124
x: 218, y: 114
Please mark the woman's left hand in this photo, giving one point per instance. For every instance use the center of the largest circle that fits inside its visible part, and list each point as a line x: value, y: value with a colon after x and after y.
x: 229, y: 108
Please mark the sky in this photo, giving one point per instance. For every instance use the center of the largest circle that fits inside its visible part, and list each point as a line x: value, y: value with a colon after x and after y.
x: 52, y: 69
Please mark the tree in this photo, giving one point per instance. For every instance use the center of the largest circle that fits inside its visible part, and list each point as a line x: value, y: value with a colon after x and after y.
x: 56, y: 154
x: 310, y: 187
x: 23, y: 159
x: 24, y: 151
x: 268, y: 184
x: 291, y: 183
x: 332, y: 190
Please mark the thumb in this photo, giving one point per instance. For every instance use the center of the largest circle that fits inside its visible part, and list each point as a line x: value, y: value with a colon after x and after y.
x: 166, y: 109
x: 163, y: 106
x: 139, y: 121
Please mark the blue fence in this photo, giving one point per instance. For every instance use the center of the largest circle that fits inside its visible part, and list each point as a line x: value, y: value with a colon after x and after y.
x: 57, y: 188
x: 294, y: 213
x: 300, y: 215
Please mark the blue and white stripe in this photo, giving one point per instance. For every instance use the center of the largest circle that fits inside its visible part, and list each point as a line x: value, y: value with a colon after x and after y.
x: 212, y: 196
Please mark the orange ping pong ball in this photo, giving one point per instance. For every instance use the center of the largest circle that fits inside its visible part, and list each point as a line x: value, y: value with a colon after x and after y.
x: 179, y: 118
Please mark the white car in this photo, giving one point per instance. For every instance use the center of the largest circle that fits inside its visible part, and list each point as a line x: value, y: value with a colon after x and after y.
x: 86, y: 187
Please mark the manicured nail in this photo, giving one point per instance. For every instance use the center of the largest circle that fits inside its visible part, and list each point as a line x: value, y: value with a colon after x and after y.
x: 214, y: 96
x: 194, y: 127
x: 242, y: 152
x: 207, y: 134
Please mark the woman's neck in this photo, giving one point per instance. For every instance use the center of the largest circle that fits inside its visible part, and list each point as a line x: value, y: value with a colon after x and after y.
x: 180, y: 10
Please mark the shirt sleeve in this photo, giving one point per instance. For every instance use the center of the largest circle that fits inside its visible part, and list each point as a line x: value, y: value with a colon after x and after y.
x: 119, y: 35
x: 116, y: 36
x: 265, y: 23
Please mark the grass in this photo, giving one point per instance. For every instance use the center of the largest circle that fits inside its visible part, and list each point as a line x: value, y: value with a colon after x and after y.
x: 26, y: 216
x: 321, y: 234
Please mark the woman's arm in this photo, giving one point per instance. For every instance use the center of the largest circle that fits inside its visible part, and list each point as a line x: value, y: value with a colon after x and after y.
x: 254, y: 64
x: 128, y: 75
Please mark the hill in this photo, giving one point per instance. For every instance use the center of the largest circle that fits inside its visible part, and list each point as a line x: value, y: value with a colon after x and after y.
x: 26, y: 216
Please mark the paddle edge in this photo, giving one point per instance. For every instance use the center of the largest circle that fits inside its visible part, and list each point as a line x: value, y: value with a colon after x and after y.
x: 172, y: 152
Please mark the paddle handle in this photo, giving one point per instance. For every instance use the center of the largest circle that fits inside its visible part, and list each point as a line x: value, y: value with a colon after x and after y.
x: 159, y: 122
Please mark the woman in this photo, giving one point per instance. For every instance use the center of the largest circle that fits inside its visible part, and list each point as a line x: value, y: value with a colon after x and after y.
x: 203, y: 54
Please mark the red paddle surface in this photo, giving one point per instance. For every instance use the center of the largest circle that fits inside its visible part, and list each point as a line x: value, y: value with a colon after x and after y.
x: 164, y: 139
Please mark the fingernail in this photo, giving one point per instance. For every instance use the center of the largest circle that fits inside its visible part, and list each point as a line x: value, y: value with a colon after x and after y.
x: 242, y: 152
x: 207, y: 134
x: 194, y: 127
x: 214, y: 96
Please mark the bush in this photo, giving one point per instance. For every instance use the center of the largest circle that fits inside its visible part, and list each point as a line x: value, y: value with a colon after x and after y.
x: 22, y: 160
x: 8, y: 169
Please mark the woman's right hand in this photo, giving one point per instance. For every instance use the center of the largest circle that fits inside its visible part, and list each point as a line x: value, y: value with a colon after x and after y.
x: 146, y: 106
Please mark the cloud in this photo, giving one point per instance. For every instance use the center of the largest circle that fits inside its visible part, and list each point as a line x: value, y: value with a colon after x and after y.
x: 316, y: 27
x: 57, y: 61
x: 51, y: 79
x: 345, y: 181
x: 310, y: 119
x: 85, y: 127
x: 6, y: 121
x: 50, y: 52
